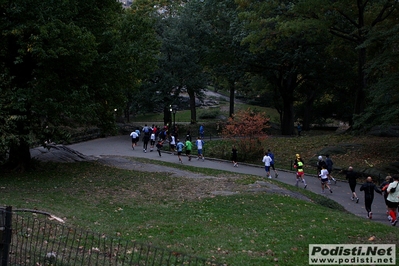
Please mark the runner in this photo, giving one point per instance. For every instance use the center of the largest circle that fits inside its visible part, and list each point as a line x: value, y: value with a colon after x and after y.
x: 324, y: 179
x: 200, y: 144
x: 152, y: 141
x: 272, y: 163
x: 369, y: 187
x: 179, y: 147
x: 135, y: 138
x: 234, y: 156
x: 189, y: 147
x: 159, y: 147
x: 300, y: 174
x: 266, y: 160
x: 352, y: 176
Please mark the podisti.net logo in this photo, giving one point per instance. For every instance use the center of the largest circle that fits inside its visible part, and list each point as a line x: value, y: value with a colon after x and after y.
x: 349, y: 254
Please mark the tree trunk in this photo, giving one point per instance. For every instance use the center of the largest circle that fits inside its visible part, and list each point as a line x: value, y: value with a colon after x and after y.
x: 287, y: 87
x: 308, y: 109
x: 362, y: 83
x: 287, y: 126
x: 193, y: 109
x: 20, y: 157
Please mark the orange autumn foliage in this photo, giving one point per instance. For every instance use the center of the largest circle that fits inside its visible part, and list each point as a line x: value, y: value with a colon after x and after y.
x: 247, y: 129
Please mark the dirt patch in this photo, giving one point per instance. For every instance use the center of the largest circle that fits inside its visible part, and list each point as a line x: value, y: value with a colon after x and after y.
x: 196, y: 185
x: 183, y: 185
x: 131, y: 164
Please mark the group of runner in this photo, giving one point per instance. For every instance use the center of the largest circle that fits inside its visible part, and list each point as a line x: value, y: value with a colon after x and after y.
x: 387, y: 188
x: 324, y: 168
x: 154, y: 134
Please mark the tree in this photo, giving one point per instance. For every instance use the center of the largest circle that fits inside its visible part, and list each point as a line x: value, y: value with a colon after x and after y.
x: 352, y: 21
x: 43, y: 63
x: 289, y: 53
x: 62, y: 66
x: 138, y: 43
x: 179, y: 63
x: 247, y: 129
x: 227, y: 59
x: 384, y: 73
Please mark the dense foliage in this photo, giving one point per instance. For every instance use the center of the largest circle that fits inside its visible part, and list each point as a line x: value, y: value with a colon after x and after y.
x: 78, y: 63
x: 67, y: 64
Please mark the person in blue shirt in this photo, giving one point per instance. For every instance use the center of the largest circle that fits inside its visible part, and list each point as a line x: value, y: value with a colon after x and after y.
x: 179, y: 147
x: 299, y: 129
x: 201, y: 131
x: 271, y: 155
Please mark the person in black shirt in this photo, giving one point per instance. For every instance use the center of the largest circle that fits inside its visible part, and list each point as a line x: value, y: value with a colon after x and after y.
x: 329, y: 164
x: 369, y: 187
x: 352, y: 176
x: 234, y: 156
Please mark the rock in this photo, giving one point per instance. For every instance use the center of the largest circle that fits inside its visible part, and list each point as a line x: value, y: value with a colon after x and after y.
x: 381, y: 131
x: 58, y: 153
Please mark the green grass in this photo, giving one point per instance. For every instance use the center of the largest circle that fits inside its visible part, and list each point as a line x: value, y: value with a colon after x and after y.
x: 243, y: 229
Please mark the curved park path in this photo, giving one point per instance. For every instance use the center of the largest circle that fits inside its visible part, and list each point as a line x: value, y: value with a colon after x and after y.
x: 121, y: 146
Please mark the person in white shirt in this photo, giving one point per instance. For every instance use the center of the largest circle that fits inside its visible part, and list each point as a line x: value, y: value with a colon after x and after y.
x: 135, y: 138
x: 324, y: 177
x: 200, y: 145
x: 152, y: 141
x: 267, y: 159
x: 393, y: 199
x: 172, y: 142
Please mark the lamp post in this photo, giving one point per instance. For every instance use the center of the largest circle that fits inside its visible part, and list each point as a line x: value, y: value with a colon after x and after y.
x: 169, y: 124
x: 170, y: 119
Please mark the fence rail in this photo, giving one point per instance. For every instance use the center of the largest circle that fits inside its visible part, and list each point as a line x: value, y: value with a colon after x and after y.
x: 41, y: 242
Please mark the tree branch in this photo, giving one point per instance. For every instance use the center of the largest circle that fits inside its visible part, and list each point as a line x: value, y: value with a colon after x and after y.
x: 51, y: 217
x: 341, y: 34
x: 381, y: 16
x: 348, y: 18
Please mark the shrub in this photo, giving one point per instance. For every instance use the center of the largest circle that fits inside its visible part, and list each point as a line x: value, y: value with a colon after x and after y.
x: 246, y: 129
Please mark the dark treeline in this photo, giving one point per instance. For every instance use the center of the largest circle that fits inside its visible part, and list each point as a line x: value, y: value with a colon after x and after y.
x: 83, y: 62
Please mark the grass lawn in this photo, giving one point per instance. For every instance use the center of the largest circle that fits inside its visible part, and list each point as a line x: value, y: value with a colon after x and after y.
x: 242, y: 229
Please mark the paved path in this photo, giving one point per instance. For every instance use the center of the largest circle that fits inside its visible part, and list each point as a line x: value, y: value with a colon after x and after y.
x: 121, y: 146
